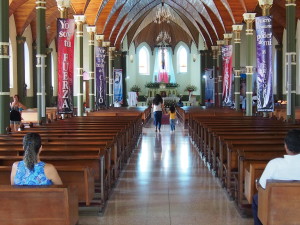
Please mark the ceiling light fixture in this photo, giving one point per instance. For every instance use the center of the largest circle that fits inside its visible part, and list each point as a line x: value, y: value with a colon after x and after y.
x: 163, y: 14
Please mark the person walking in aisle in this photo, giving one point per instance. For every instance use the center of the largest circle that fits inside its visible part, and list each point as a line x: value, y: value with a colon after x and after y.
x: 158, y: 108
x: 172, y: 115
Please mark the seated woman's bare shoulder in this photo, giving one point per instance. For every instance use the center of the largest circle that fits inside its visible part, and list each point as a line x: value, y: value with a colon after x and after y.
x: 52, y: 174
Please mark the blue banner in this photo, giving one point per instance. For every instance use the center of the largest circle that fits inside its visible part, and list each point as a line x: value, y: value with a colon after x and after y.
x: 118, y: 86
x: 265, y: 101
x: 100, y: 76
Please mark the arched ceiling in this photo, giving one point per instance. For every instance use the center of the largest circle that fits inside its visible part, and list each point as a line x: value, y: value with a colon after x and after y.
x: 208, y: 19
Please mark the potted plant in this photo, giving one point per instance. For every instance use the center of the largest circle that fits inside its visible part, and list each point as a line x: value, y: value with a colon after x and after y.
x: 190, y: 88
x: 136, y: 89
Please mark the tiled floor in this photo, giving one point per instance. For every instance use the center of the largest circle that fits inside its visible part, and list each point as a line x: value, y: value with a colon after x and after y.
x: 166, y: 183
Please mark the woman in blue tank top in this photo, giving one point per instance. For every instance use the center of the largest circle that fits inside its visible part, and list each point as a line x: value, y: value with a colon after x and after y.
x: 32, y: 171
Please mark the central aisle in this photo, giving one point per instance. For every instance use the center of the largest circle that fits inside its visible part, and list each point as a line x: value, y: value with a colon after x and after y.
x: 166, y: 183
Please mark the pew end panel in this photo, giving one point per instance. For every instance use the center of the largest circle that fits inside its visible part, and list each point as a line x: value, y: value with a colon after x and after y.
x: 254, y: 171
x: 35, y: 205
x: 279, y: 203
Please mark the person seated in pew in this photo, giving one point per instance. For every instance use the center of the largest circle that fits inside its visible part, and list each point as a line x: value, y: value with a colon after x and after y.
x: 32, y: 171
x: 286, y: 168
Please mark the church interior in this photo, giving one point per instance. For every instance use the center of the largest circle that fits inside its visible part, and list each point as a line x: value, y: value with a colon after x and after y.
x: 86, y: 74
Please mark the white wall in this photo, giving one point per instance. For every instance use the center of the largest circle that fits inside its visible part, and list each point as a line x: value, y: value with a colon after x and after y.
x: 183, y: 79
x: 28, y: 35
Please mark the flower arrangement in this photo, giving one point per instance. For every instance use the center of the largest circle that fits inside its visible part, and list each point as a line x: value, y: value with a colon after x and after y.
x: 190, y: 88
x: 158, y: 85
x: 172, y: 85
x: 152, y: 85
x: 135, y: 88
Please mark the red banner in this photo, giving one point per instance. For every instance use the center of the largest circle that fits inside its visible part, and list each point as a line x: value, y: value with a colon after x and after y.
x: 65, y: 64
x: 227, y: 74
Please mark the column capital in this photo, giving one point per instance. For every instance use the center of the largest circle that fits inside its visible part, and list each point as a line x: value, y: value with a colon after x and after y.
x: 21, y: 39
x: 63, y: 6
x: 49, y: 50
x: 79, y: 19
x: 237, y: 29
x: 249, y: 19
x: 215, y: 49
x: 40, y: 4
x: 265, y: 5
x: 290, y: 2
x: 227, y: 38
x: 100, y: 39
x: 91, y: 29
x: 106, y: 44
x: 220, y: 43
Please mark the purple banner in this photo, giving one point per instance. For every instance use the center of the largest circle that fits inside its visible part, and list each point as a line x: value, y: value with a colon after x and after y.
x: 100, y: 76
x: 265, y: 102
x: 118, y: 86
x: 227, y: 74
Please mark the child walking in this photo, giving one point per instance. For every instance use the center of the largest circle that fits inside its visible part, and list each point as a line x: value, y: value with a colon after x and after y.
x: 172, y: 114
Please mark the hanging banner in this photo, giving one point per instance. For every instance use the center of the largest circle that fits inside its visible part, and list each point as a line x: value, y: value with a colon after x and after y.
x: 65, y: 64
x: 100, y: 76
x: 227, y: 75
x: 118, y: 87
x: 265, y: 102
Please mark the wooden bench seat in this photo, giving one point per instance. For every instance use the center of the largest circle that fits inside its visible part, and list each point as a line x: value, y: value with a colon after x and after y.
x: 80, y: 177
x: 279, y: 203
x: 52, y: 205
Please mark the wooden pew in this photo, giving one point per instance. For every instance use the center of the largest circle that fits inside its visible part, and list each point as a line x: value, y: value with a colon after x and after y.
x: 279, y: 203
x: 49, y: 205
x: 80, y: 177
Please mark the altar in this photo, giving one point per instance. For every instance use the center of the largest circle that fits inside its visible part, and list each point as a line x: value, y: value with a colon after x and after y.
x: 164, y: 92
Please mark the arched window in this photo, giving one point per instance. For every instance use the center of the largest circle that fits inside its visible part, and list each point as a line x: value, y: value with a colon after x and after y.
x: 11, y: 67
x: 27, y: 65
x: 182, y: 59
x: 144, y: 61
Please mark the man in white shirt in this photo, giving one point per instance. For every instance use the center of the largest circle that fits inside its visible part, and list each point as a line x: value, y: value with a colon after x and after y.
x: 286, y: 168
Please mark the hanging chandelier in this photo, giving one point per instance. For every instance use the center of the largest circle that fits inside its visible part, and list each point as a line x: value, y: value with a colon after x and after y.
x: 164, y: 37
x: 163, y: 14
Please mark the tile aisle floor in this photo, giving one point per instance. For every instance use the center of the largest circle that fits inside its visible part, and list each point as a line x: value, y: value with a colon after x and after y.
x: 166, y: 183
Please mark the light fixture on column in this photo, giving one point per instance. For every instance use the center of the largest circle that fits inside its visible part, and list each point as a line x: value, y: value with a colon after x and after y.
x: 163, y: 14
x: 131, y: 58
x: 100, y: 39
x: 79, y: 18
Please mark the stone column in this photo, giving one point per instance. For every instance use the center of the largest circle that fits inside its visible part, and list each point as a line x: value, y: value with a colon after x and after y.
x: 249, y: 19
x: 48, y: 80
x: 279, y: 71
x: 215, y: 71
x: 237, y: 72
x: 111, y: 58
x: 202, y: 79
x: 34, y: 73
x: 40, y: 58
x: 4, y: 66
x: 220, y: 43
x: 91, y: 31
x: 291, y: 57
x: 21, y: 69
x: 79, y: 20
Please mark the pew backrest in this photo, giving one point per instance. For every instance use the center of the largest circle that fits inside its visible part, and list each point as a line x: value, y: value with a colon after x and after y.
x: 279, y: 203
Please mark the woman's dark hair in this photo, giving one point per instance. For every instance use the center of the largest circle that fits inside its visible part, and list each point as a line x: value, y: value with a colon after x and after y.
x: 157, y: 99
x: 31, y: 143
x: 17, y: 97
x: 172, y: 109
x: 292, y: 141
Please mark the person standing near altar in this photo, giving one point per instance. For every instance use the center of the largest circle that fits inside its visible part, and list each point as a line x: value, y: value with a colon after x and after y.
x: 158, y: 109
